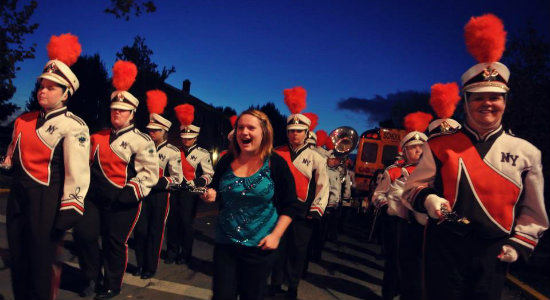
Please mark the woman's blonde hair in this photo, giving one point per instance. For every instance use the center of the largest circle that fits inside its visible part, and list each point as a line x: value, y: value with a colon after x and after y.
x: 267, y: 134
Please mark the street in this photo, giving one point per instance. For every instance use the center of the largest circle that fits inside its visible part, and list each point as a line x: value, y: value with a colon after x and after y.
x: 349, y: 269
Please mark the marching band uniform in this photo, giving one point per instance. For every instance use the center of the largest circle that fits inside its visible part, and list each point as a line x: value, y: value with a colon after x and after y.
x: 494, y: 180
x: 309, y: 169
x: 403, y: 228
x: 196, y: 165
x: 149, y: 231
x: 51, y: 176
x: 124, y: 166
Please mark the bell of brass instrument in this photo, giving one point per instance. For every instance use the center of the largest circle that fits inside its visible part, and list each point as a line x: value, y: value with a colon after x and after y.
x: 345, y: 140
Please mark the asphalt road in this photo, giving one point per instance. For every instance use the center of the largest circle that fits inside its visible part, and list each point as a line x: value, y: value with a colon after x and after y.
x: 349, y: 269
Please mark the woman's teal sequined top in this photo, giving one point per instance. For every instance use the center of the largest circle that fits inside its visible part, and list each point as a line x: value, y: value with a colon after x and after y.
x: 248, y: 213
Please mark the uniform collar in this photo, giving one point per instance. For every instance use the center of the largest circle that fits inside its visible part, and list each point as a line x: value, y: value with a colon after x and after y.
x: 490, y: 135
x: 162, y: 145
x: 122, y: 131
x: 188, y: 150
x: 53, y: 113
x: 298, y: 149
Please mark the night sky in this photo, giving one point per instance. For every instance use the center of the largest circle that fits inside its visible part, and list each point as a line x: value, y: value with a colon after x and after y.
x: 242, y: 53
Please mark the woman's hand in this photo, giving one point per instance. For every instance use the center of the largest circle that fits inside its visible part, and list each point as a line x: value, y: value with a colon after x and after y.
x: 209, y: 196
x: 269, y: 242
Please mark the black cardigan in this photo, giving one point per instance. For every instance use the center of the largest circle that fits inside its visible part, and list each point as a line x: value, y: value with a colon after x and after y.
x: 284, y: 198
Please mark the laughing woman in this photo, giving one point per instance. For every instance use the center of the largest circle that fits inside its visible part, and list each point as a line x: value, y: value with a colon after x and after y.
x: 257, y: 198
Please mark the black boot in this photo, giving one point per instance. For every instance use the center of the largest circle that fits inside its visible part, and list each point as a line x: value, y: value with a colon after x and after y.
x: 108, y: 294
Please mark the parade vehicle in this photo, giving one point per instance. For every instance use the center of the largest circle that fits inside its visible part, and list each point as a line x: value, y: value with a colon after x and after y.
x: 377, y: 149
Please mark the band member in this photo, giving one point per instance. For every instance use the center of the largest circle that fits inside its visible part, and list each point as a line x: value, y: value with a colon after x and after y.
x: 124, y: 168
x: 232, y: 120
x: 402, y: 232
x: 197, y: 172
x: 48, y: 155
x: 310, y: 175
x: 482, y: 187
x: 149, y: 230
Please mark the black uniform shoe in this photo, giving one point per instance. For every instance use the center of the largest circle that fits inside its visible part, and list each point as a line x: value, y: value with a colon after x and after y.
x: 168, y: 261
x: 291, y: 294
x: 276, y: 290
x: 108, y: 294
x: 137, y: 272
x: 90, y: 288
x: 181, y: 261
x: 147, y: 275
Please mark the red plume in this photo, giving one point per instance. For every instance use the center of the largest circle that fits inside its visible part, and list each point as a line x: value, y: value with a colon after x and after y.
x: 444, y: 98
x: 124, y: 75
x: 233, y: 119
x: 295, y: 99
x: 322, y: 137
x: 313, y: 118
x: 485, y: 38
x: 156, y: 101
x: 65, y: 48
x: 329, y: 144
x: 417, y: 121
x: 185, y: 114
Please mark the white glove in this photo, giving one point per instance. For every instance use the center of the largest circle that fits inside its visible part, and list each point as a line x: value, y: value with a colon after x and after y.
x: 433, y: 205
x: 508, y: 254
x: 190, y: 184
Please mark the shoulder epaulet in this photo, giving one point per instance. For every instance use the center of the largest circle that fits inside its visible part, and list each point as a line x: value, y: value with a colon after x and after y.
x: 394, y: 166
x: 202, y: 150
x: 172, y: 147
x: 76, y: 118
x: 143, y: 135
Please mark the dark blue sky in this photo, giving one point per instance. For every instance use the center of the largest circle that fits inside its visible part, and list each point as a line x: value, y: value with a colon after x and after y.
x: 241, y: 53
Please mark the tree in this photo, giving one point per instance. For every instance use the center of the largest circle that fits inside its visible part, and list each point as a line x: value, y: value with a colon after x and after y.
x: 148, y: 77
x: 226, y: 111
x: 13, y: 29
x: 140, y: 54
x: 124, y: 8
x: 278, y: 122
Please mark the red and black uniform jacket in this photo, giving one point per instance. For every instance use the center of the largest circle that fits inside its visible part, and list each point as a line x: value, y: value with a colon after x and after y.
x: 495, y: 181
x: 309, y: 169
x: 125, y: 166
x: 196, y: 165
x: 52, y: 149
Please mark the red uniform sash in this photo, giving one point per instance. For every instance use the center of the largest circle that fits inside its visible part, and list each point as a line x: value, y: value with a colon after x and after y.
x: 35, y: 156
x: 496, y: 194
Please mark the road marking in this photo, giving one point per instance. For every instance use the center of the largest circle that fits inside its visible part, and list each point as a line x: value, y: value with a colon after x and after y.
x: 163, y: 286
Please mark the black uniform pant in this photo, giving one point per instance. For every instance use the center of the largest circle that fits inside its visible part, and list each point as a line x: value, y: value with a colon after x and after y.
x: 462, y: 267
x: 33, y: 242
x: 114, y: 225
x: 292, y: 253
x: 390, y: 281
x: 325, y: 230
x: 241, y: 271
x: 411, y: 236
x: 179, y: 236
x: 149, y: 230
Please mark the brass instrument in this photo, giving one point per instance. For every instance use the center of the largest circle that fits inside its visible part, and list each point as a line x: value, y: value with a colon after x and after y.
x: 345, y: 140
x: 175, y: 187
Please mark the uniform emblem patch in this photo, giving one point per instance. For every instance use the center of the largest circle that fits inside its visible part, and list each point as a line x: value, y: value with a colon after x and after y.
x: 82, y: 139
